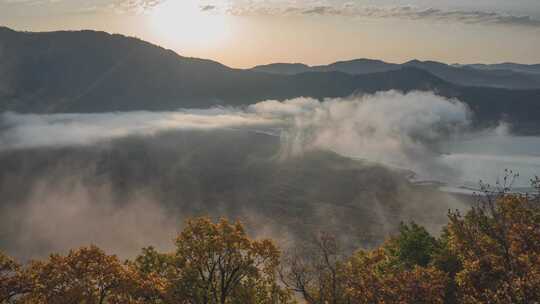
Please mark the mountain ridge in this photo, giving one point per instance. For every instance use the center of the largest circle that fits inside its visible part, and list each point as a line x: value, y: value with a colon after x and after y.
x: 510, y: 76
x: 91, y: 72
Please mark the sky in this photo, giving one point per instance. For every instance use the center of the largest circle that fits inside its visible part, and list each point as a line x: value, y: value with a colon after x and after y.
x: 245, y: 33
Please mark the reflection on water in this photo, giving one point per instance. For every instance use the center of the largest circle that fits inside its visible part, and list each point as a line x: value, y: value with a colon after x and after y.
x: 486, y: 157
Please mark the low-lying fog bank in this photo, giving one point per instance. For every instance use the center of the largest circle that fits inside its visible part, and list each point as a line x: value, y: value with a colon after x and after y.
x: 136, y: 191
x: 287, y: 169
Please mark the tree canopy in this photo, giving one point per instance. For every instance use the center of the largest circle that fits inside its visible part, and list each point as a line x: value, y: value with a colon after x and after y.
x: 490, y: 254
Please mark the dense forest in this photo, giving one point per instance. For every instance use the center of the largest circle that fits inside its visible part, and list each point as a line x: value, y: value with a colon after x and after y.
x: 490, y: 254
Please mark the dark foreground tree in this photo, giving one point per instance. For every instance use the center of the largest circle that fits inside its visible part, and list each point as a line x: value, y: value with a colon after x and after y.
x: 315, y: 271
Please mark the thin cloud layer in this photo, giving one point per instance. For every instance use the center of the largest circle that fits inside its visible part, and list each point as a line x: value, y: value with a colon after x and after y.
x: 305, y: 8
x: 26, y: 131
x: 397, y: 12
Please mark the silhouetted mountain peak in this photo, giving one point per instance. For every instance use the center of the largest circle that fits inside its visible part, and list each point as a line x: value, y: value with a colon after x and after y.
x: 5, y: 29
x: 360, y: 61
x: 413, y: 62
x: 6, y: 32
x: 418, y: 63
x: 285, y: 64
x: 283, y: 68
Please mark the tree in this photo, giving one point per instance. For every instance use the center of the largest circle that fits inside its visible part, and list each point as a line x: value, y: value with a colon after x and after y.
x: 498, y: 245
x: 151, y: 271
x: 447, y: 261
x: 214, y: 263
x: 13, y: 283
x: 415, y: 246
x: 373, y: 277
x: 412, y: 246
x: 314, y: 270
x: 86, y: 275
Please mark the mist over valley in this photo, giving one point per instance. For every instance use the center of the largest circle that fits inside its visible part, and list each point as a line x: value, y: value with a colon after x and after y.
x: 269, y: 152
x: 110, y: 140
x: 355, y: 167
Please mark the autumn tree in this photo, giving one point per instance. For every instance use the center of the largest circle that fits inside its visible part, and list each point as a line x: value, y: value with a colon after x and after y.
x: 151, y: 272
x: 399, y: 271
x: 315, y: 271
x: 491, y: 254
x: 13, y: 282
x: 215, y: 263
x: 374, y: 277
x: 86, y: 275
x: 498, y: 245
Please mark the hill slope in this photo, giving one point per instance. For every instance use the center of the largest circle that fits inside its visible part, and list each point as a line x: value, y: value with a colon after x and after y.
x: 87, y: 71
x: 95, y: 72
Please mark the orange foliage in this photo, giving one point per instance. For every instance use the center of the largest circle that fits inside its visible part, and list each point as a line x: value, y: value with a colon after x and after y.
x: 86, y: 275
x: 489, y: 255
x: 498, y: 243
x: 12, y: 281
x: 372, y: 279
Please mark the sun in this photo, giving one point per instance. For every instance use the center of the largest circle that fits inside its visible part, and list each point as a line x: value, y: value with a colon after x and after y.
x: 188, y: 23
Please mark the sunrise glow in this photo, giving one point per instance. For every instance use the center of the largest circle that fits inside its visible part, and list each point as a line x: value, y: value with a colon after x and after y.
x: 189, y: 23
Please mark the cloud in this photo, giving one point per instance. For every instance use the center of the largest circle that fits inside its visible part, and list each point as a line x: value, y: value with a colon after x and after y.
x: 132, y: 6
x: 469, y: 17
x: 30, y: 2
x: 411, y: 131
x: 145, y: 6
x: 26, y: 1
x: 118, y: 6
x: 62, y: 7
x: 398, y: 12
x: 389, y: 127
x: 26, y: 131
x: 126, y: 194
x: 401, y: 130
x: 208, y: 7
x: 304, y: 8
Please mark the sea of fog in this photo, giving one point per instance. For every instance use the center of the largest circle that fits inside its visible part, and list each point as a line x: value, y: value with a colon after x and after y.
x: 430, y: 139
x: 427, y: 134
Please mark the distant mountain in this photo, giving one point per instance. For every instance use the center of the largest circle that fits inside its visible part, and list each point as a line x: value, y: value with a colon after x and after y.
x: 511, y: 76
x: 359, y: 66
x: 283, y: 68
x: 523, y: 68
x: 355, y: 67
x: 88, y: 71
x: 469, y: 76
